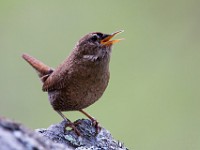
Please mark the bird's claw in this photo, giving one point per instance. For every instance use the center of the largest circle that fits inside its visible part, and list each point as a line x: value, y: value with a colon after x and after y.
x: 73, y: 126
x: 96, y: 125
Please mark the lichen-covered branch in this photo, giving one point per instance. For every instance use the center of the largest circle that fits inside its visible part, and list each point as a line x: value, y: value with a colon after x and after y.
x: 15, y: 136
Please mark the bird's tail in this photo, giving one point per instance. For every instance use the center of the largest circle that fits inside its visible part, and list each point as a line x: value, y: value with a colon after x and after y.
x: 43, y: 70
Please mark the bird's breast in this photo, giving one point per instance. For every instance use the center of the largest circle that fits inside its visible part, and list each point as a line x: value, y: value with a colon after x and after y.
x: 89, y: 87
x: 85, y: 86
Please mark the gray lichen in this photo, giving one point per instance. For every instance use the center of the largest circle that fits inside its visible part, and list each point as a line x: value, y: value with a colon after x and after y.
x: 88, y: 139
x: 14, y: 136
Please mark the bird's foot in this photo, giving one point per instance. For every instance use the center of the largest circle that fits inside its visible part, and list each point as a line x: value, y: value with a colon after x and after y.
x: 96, y: 125
x: 69, y: 123
x: 94, y: 121
x: 73, y: 126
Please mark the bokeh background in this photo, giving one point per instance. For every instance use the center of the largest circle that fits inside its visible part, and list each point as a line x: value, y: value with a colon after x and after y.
x: 153, y: 98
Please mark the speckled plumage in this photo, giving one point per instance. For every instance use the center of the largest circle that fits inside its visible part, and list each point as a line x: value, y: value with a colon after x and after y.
x: 82, y: 78
x: 79, y: 81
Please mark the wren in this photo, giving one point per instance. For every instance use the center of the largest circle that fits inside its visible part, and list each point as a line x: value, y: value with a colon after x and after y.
x: 82, y: 78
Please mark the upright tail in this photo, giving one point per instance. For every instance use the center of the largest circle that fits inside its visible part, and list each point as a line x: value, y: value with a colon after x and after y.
x: 43, y: 70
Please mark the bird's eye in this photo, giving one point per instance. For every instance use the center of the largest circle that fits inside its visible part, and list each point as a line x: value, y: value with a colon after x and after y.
x: 100, y: 34
x: 94, y: 38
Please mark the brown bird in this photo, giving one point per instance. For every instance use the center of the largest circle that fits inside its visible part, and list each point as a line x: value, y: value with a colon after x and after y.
x: 82, y: 78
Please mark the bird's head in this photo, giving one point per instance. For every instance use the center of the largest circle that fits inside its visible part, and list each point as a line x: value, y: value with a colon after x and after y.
x: 96, y: 45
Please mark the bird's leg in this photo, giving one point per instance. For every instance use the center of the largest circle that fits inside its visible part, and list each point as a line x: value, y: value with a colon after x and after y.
x: 94, y: 121
x: 70, y: 124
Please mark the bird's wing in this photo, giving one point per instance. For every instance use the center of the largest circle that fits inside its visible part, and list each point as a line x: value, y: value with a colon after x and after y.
x: 57, y: 80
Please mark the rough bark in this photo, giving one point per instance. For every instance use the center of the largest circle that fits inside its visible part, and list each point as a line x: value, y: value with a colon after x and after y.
x: 14, y: 136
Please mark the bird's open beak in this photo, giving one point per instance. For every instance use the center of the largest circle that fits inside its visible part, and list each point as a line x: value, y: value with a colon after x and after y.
x: 107, y: 40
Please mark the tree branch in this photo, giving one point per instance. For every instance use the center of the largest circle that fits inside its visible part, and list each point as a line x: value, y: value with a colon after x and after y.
x: 15, y: 136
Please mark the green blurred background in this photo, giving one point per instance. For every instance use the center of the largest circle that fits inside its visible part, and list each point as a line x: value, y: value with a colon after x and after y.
x: 152, y: 101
